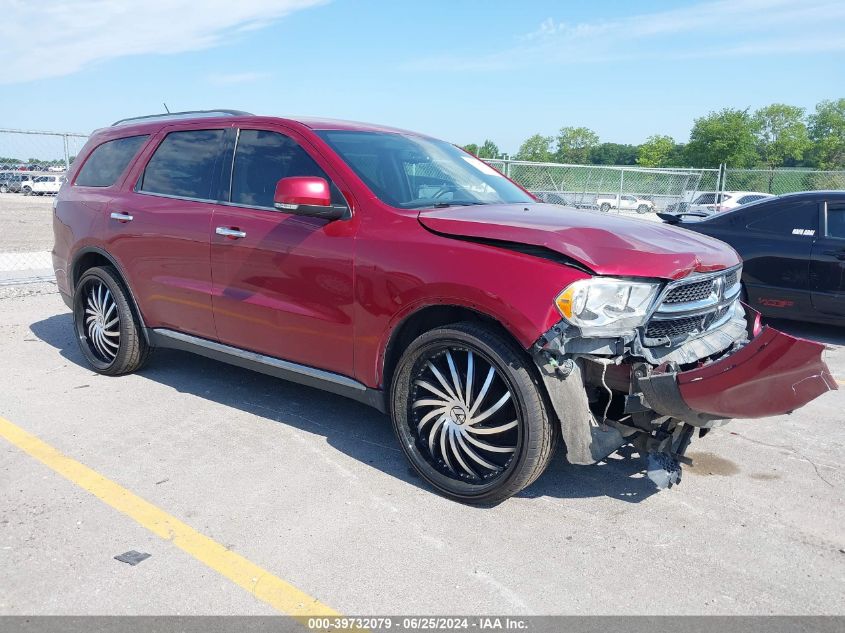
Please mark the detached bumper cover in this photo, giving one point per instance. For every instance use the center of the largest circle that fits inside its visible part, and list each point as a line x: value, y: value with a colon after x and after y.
x: 773, y: 374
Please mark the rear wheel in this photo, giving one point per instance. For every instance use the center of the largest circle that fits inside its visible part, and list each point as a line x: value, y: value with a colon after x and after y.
x: 26, y: 191
x: 605, y: 207
x: 108, y: 332
x: 4, y: 189
x: 469, y: 414
x: 643, y: 208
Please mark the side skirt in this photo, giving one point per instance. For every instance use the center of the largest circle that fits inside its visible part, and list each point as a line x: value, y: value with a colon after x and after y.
x: 286, y: 370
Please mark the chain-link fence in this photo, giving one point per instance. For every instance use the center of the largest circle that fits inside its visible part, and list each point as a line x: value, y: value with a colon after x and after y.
x: 779, y: 181
x: 32, y: 168
x: 33, y: 165
x: 609, y: 188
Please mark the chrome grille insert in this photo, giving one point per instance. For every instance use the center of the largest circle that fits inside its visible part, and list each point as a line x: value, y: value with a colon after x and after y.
x: 693, y: 306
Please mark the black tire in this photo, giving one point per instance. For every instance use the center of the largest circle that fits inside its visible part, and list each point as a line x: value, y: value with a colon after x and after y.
x: 26, y: 191
x: 4, y: 189
x: 528, y: 444
x: 643, y: 208
x: 107, y: 353
x: 605, y: 207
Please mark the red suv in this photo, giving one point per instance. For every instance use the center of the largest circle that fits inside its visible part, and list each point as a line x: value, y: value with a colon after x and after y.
x: 398, y: 270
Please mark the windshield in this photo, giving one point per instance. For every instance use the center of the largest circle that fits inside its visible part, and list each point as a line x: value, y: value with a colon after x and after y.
x: 411, y: 172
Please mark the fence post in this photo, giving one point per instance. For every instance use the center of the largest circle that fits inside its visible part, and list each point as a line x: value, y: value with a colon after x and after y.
x: 67, y: 154
x: 621, y: 186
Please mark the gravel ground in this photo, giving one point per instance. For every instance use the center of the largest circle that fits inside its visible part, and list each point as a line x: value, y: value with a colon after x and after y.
x: 26, y: 223
x: 313, y: 488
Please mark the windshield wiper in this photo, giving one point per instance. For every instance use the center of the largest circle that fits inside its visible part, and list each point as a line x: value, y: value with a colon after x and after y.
x: 457, y: 203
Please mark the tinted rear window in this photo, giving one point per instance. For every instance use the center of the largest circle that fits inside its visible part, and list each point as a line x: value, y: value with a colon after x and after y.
x: 107, y: 161
x: 788, y: 218
x: 183, y: 165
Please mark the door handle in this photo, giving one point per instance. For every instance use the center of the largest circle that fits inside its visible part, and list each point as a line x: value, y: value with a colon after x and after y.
x: 121, y: 217
x: 840, y: 255
x: 233, y: 233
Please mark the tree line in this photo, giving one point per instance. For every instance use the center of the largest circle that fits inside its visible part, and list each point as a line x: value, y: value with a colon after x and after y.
x: 777, y: 135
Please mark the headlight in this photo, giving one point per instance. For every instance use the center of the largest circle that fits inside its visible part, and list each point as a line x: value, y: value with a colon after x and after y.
x: 603, y: 306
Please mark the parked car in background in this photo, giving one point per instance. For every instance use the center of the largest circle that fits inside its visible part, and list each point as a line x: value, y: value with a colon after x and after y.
x: 42, y: 185
x: 400, y: 271
x: 606, y: 202
x: 10, y: 182
x: 715, y: 202
x: 793, y: 249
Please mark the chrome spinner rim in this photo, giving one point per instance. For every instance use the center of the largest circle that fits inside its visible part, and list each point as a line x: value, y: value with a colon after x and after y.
x: 463, y: 415
x: 102, y: 321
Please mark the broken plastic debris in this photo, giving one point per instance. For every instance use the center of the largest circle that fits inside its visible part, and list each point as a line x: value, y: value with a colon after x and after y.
x: 132, y: 557
x: 663, y: 470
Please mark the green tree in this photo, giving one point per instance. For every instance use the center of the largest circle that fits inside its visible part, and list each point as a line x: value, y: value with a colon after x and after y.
x: 781, y: 134
x: 613, y: 154
x: 726, y: 136
x: 489, y: 149
x: 574, y: 145
x: 657, y: 151
x: 536, y: 148
x: 472, y: 148
x: 827, y: 132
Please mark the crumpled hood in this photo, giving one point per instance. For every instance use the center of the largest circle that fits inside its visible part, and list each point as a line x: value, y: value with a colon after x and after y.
x: 605, y: 243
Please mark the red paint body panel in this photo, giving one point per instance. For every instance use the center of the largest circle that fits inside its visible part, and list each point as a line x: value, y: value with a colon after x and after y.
x: 773, y: 374
x: 607, y: 244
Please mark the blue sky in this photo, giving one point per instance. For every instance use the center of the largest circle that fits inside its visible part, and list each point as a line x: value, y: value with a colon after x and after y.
x: 462, y: 70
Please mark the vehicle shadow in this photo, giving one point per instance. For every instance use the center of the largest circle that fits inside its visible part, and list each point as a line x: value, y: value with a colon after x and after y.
x: 348, y: 426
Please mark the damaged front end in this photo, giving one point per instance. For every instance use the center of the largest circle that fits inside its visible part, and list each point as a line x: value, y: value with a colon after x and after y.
x: 700, y: 358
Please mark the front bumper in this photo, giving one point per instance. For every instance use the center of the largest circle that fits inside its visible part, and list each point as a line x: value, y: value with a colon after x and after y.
x: 774, y: 373
x: 765, y: 373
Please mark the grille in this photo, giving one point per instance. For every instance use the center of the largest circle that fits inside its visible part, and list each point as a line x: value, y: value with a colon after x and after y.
x: 675, y: 327
x: 691, y: 292
x: 704, y: 298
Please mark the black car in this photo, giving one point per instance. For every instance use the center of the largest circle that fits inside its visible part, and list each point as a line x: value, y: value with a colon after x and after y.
x: 793, y: 248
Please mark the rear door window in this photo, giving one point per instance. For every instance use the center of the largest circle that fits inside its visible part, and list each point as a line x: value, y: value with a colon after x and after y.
x: 184, y: 165
x: 108, y: 161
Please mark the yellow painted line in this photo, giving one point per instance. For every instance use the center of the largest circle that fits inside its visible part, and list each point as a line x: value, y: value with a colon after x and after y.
x: 279, y: 594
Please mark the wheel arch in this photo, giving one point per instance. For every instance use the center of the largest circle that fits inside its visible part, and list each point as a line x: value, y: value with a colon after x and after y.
x: 427, y: 318
x: 92, y: 256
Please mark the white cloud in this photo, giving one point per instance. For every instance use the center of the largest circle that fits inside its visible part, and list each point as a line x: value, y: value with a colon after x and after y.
x: 716, y: 28
x: 228, y: 79
x: 59, y: 37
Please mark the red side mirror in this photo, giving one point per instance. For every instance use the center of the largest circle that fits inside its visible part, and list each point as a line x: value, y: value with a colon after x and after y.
x: 296, y: 191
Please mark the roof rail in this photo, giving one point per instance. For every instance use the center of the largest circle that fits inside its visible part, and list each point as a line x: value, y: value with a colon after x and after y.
x: 181, y: 115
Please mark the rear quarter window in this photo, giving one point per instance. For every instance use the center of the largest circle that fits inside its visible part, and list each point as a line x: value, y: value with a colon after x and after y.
x: 799, y: 219
x: 108, y: 161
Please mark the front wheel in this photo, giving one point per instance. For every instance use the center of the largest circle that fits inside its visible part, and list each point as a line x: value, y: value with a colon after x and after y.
x: 27, y: 191
x: 4, y: 189
x: 643, y: 208
x: 108, y: 332
x: 469, y: 414
x: 605, y: 207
